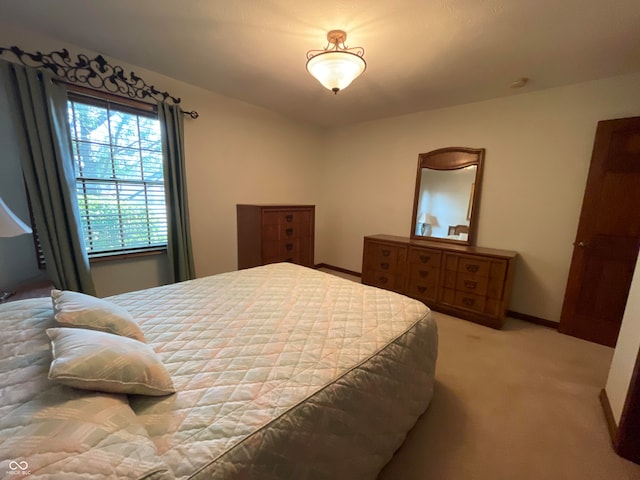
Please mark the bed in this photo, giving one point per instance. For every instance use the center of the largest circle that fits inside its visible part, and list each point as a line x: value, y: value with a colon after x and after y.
x: 280, y: 372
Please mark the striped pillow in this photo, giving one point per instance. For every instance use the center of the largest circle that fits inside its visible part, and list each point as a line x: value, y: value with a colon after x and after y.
x: 99, y: 361
x: 73, y: 309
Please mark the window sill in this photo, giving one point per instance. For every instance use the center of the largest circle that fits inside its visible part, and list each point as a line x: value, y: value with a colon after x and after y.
x: 108, y: 257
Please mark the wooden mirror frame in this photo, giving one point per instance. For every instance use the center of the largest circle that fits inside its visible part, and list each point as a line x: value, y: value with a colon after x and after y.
x: 451, y: 158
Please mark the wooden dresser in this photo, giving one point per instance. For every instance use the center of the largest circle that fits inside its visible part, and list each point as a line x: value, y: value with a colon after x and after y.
x: 473, y: 283
x: 275, y: 233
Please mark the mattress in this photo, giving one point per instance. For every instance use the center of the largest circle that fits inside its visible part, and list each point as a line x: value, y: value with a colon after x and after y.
x: 281, y: 372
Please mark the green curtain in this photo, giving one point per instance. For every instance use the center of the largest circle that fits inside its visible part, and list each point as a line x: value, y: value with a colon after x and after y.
x: 40, y: 113
x: 175, y: 187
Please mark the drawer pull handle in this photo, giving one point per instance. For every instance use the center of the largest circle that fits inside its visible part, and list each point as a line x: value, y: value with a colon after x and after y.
x: 424, y: 273
x: 471, y: 285
x: 386, y: 253
x: 289, y: 231
x: 422, y: 289
x: 289, y: 260
x: 289, y: 246
x: 384, y: 266
x: 472, y: 268
x: 425, y: 258
x: 288, y: 218
x: 468, y: 301
x: 384, y: 280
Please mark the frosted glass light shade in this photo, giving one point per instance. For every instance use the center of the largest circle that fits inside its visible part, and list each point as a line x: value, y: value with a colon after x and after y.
x: 10, y: 225
x: 336, y: 69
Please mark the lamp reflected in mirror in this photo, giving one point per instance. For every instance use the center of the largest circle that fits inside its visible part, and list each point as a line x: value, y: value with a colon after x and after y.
x: 426, y: 224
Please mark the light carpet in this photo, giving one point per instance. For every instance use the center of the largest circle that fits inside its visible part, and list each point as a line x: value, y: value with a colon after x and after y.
x: 519, y: 403
x: 514, y: 404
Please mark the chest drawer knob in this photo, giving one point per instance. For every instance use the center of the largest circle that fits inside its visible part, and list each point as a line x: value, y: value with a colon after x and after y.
x: 424, y: 273
x: 422, y: 289
x: 386, y: 253
x: 289, y: 246
x: 384, y: 280
x: 384, y: 266
x: 289, y: 231
x: 472, y: 268
x: 288, y: 218
x: 425, y: 258
x: 470, y: 284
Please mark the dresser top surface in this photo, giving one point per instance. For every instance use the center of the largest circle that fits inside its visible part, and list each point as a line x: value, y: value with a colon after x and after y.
x: 275, y: 205
x: 450, y: 247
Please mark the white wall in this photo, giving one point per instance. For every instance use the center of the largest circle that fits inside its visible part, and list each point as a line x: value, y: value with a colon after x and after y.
x: 235, y: 153
x: 538, y: 150
x: 627, y: 349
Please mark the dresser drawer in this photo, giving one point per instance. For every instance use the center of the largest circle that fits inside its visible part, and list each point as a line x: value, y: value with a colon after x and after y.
x: 285, y: 217
x: 470, y: 301
x: 270, y: 217
x: 473, y: 265
x: 470, y: 283
x: 424, y: 275
x: 280, y: 248
x: 284, y: 232
x: 382, y: 255
x: 467, y: 264
x: 467, y: 301
x: 296, y: 230
x: 424, y: 256
x: 423, y: 291
x: 296, y: 250
x: 293, y: 257
x: 270, y: 232
x: 385, y: 280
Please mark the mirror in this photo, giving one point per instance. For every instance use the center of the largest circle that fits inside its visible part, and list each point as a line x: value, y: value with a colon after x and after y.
x: 447, y: 195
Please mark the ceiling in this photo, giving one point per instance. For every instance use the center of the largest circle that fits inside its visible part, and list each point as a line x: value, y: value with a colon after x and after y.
x: 421, y: 54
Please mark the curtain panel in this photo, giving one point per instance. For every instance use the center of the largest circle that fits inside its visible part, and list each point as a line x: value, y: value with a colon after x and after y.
x: 179, y: 237
x: 40, y: 112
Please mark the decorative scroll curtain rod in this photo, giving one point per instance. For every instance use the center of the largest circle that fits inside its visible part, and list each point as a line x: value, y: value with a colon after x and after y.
x: 96, y: 72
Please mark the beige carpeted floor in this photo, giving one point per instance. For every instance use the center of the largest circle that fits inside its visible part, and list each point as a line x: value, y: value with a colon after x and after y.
x: 514, y: 404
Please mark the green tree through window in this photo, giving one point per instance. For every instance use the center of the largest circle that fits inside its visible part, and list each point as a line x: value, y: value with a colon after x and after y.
x: 119, y: 178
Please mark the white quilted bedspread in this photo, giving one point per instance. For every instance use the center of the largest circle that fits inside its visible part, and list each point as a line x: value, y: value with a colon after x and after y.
x: 281, y: 372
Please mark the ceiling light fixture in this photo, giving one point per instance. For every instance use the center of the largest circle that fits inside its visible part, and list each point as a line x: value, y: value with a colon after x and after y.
x: 336, y: 66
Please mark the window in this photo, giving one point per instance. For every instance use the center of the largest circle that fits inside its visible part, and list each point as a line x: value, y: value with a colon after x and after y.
x: 119, y: 177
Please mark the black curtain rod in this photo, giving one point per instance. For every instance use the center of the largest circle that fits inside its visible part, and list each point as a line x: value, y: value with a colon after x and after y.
x: 89, y: 90
x: 96, y: 73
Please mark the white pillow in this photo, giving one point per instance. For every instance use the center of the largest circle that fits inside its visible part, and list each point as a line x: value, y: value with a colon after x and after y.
x: 104, y: 362
x: 73, y: 309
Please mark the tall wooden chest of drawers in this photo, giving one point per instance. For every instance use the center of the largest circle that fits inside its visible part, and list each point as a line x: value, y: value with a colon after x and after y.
x: 473, y: 283
x: 275, y: 233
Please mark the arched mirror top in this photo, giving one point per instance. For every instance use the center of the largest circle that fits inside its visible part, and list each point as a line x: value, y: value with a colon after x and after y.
x: 447, y: 195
